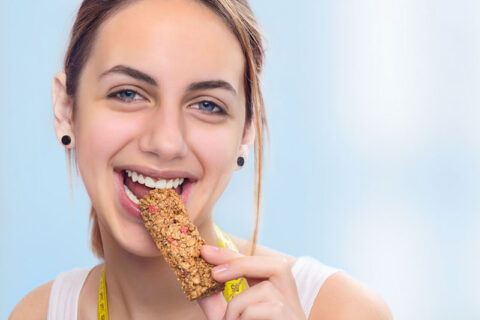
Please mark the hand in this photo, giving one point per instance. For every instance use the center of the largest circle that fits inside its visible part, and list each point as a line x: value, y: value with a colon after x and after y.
x: 272, y: 292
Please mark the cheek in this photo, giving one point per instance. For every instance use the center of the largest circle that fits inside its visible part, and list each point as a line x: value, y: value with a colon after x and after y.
x: 99, y: 136
x: 215, y: 148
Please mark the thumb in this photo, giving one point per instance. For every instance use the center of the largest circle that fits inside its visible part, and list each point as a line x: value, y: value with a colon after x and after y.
x: 213, y: 306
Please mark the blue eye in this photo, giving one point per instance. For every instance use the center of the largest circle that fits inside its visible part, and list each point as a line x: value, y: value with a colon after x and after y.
x: 126, y: 95
x: 208, y: 106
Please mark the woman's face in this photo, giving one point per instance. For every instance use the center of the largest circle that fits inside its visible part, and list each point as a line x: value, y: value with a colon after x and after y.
x: 161, y: 96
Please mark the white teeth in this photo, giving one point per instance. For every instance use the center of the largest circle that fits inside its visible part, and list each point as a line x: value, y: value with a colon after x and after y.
x: 161, y: 184
x: 130, y: 195
x: 149, y: 182
x: 152, y: 183
x: 178, y: 182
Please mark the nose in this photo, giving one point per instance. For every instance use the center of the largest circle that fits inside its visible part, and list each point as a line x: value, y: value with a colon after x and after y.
x: 164, y: 136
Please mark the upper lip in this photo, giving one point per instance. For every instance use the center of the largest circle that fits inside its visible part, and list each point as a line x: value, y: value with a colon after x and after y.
x: 158, y: 173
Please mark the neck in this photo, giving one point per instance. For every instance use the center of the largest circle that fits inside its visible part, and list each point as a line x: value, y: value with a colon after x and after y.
x: 138, y: 287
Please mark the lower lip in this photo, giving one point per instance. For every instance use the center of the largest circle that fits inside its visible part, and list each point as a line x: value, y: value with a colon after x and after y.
x: 133, y: 208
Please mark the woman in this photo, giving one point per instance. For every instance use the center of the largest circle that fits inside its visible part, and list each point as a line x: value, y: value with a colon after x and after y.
x: 165, y: 94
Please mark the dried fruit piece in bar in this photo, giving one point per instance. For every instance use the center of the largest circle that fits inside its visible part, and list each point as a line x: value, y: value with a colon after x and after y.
x: 179, y: 241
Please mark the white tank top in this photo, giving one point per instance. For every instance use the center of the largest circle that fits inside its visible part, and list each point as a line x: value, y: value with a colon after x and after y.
x: 309, y: 274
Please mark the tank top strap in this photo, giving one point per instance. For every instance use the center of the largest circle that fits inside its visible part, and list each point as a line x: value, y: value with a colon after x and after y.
x: 65, y: 293
x: 310, y: 274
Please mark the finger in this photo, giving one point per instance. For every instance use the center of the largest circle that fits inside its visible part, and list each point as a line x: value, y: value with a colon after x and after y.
x: 213, y: 306
x: 266, y: 310
x: 217, y: 255
x: 275, y: 269
x: 263, y: 292
x: 254, y: 268
x: 259, y: 267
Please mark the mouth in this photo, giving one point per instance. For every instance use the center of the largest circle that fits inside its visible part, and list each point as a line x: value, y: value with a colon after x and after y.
x: 138, y: 185
x: 135, y: 182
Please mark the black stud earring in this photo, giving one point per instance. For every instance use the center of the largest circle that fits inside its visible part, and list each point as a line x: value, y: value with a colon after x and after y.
x: 66, y: 140
x: 240, y: 161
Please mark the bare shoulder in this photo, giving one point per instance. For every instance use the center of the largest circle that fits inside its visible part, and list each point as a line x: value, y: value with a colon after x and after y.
x: 34, y: 305
x: 342, y: 297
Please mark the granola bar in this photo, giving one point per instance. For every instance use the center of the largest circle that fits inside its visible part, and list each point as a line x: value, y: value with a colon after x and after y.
x: 179, y: 241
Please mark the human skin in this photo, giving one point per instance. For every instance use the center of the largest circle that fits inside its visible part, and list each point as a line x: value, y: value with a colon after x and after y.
x: 163, y: 129
x: 176, y: 42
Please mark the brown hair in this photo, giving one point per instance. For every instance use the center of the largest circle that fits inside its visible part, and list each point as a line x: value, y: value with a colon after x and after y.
x: 239, y: 17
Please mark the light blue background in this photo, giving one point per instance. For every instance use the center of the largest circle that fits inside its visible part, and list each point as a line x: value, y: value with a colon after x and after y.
x: 374, y: 164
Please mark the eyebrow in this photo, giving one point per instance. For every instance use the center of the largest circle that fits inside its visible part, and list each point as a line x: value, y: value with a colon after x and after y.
x: 195, y: 86
x: 134, y: 73
x: 211, y: 84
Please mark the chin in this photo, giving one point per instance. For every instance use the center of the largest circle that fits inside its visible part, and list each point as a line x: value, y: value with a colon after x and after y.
x: 141, y: 245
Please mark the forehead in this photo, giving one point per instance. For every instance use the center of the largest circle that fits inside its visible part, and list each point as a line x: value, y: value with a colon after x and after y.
x: 174, y: 41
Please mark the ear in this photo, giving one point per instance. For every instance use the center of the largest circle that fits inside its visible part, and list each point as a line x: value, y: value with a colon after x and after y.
x: 248, y: 139
x: 249, y: 133
x: 62, y: 109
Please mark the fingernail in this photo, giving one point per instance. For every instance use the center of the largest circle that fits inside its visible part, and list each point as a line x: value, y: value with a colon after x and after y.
x: 210, y: 248
x: 220, y: 268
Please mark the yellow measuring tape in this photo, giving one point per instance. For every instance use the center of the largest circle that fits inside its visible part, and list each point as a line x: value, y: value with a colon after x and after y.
x: 232, y: 287
x: 102, y: 309
x: 235, y: 286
